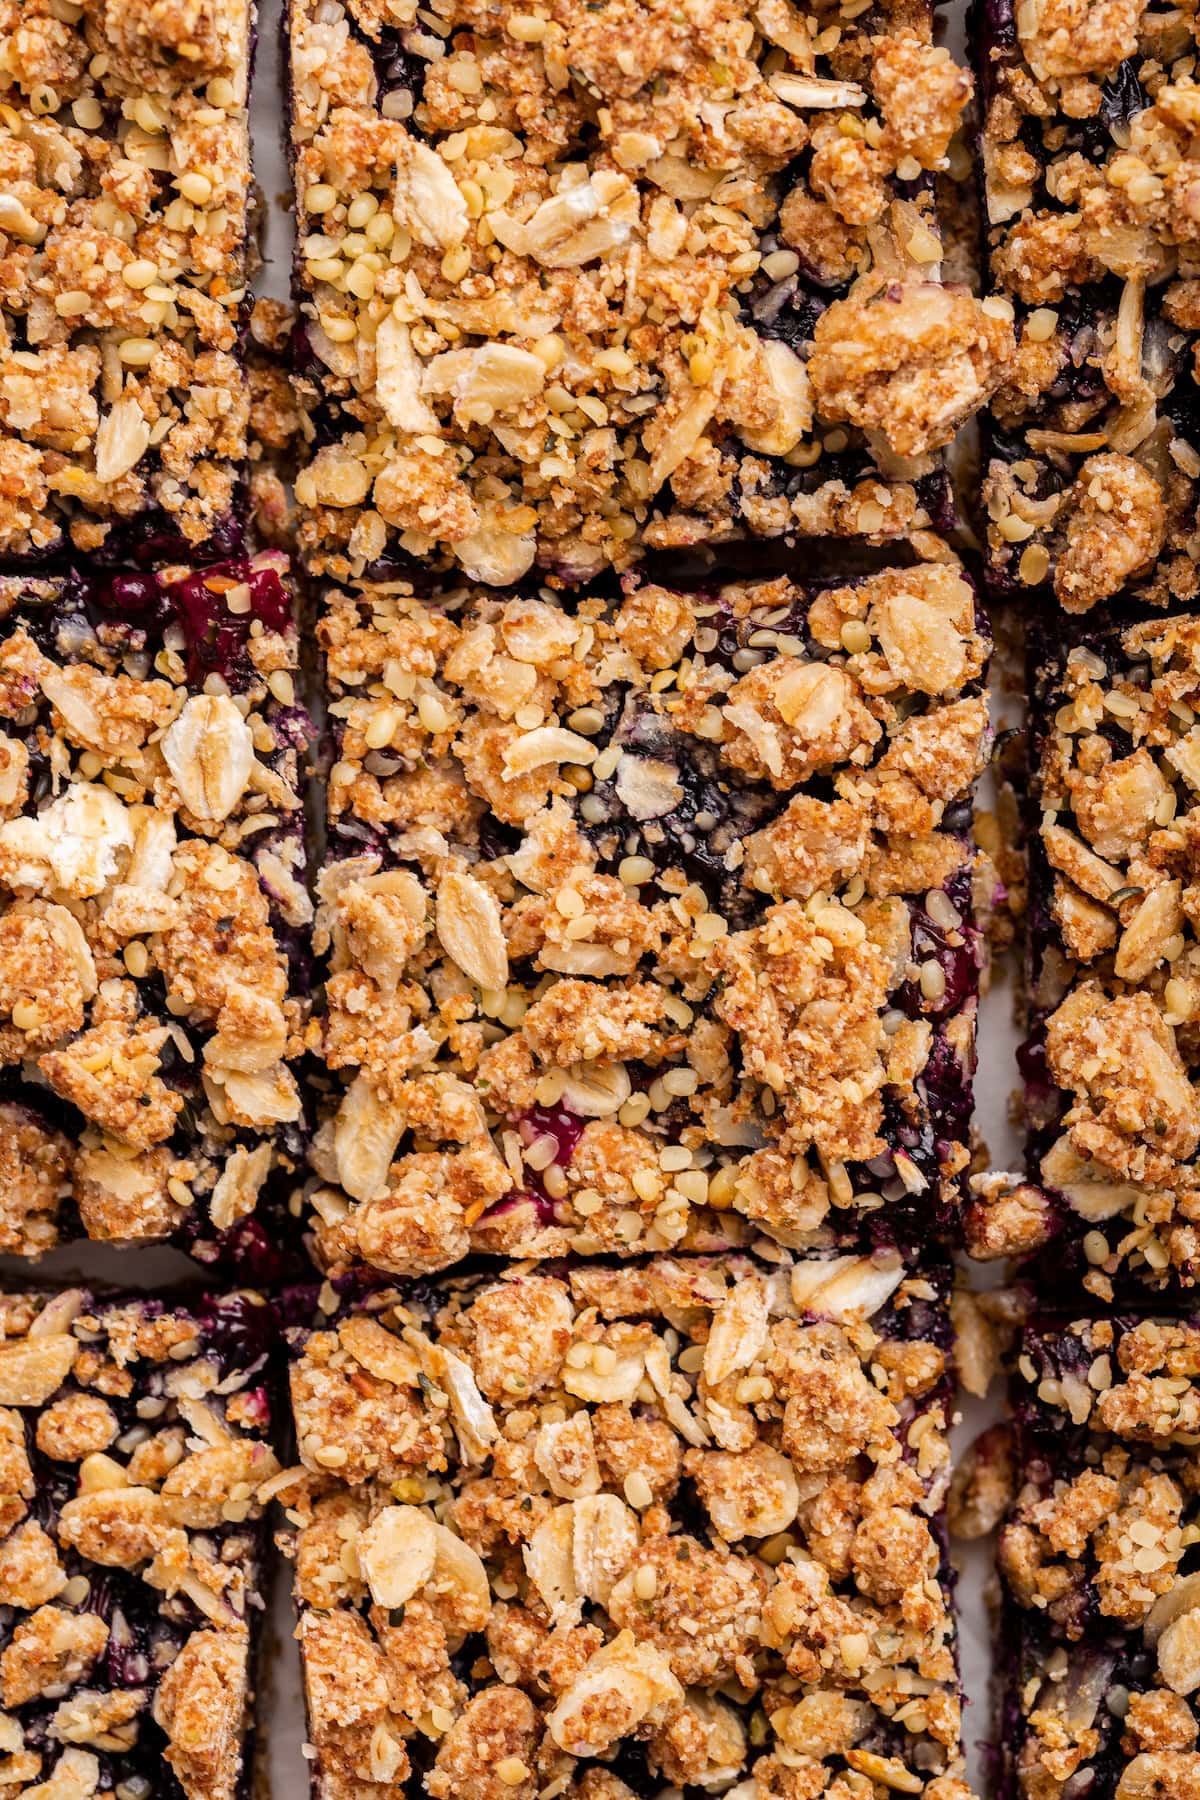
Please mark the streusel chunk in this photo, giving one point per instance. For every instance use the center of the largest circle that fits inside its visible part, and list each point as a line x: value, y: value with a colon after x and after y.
x: 1101, y: 1620
x: 1090, y: 170
x: 1111, y: 1063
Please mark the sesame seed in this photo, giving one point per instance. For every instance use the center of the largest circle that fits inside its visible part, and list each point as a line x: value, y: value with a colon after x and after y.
x: 638, y: 1491
x: 645, y: 1582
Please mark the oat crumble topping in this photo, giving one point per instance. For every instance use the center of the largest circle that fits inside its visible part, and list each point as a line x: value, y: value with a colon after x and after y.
x: 124, y: 185
x: 683, y: 1518
x: 1091, y: 161
x: 1116, y: 1117
x: 275, y: 427
x: 152, y: 984
x: 648, y: 924
x: 591, y: 279
x: 1101, y: 1610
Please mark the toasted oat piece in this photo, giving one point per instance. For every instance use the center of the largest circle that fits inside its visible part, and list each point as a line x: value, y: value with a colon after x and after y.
x: 686, y: 1516
x: 579, y: 284
x: 1089, y: 170
x: 648, y: 924
x: 125, y: 178
x: 1111, y: 1064
x: 153, y: 974
x: 133, y: 1440
x: 1101, y: 1616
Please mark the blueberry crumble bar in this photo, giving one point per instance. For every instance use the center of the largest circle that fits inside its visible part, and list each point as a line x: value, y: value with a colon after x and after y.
x: 588, y: 279
x: 648, y: 922
x: 1111, y: 1062
x: 614, y: 1528
x: 1090, y: 180
x: 153, y: 917
x: 124, y: 186
x: 133, y: 1442
x: 1101, y: 1639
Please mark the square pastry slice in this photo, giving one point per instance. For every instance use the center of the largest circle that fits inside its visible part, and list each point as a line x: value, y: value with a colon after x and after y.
x: 585, y: 281
x: 1089, y: 170
x: 153, y: 971
x: 133, y: 1440
x: 614, y: 1529
x: 648, y: 922
x: 125, y: 178
x: 1111, y: 1063
x: 1101, y: 1619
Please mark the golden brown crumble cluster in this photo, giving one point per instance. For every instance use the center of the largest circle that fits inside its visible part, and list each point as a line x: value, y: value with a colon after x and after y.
x: 687, y: 1511
x: 151, y: 867
x: 646, y: 921
x: 124, y: 183
x: 275, y: 428
x: 562, y: 267
x: 1092, y: 168
x: 1104, y: 1620
x: 1118, y: 981
x: 132, y: 1449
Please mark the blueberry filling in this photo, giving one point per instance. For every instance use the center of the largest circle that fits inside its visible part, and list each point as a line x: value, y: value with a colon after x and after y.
x: 953, y: 953
x: 238, y: 1330
x: 399, y: 72
x: 703, y: 815
x: 1122, y: 97
x: 563, y: 1129
x: 216, y: 637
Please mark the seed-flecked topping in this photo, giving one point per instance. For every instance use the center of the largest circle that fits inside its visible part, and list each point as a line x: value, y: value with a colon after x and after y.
x: 1116, y: 784
x: 148, y: 888
x: 133, y: 1445
x: 1094, y: 1547
x: 126, y: 181
x: 706, y: 1543
x: 1090, y: 167
x: 646, y: 922
x: 563, y: 277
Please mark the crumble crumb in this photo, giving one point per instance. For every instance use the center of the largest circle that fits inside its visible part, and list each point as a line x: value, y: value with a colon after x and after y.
x: 1092, y: 1552
x: 1089, y: 157
x: 1114, y: 957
